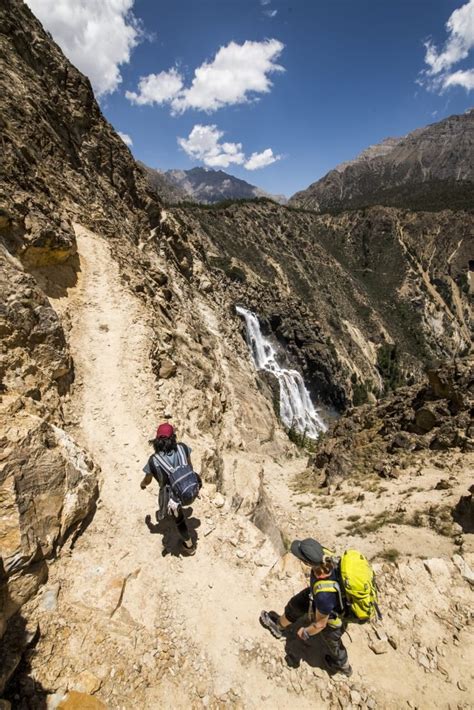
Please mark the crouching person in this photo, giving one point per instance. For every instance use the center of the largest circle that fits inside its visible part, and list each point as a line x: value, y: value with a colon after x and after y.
x: 322, y: 602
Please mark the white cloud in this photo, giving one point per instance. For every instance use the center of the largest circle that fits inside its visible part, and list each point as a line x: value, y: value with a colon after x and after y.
x: 157, y: 88
x: 261, y: 160
x: 438, y: 75
x: 237, y: 73
x: 460, y: 28
x: 203, y: 143
x: 460, y: 78
x: 270, y: 13
x: 126, y: 138
x: 96, y: 35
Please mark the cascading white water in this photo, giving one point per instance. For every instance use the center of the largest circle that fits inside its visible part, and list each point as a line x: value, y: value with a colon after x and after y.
x: 296, y: 408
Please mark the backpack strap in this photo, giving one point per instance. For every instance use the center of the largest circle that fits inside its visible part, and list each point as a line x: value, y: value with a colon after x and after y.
x: 183, y: 459
x: 165, y: 465
x: 327, y: 585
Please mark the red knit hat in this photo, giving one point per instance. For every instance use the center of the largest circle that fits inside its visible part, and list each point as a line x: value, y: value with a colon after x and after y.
x: 164, y: 431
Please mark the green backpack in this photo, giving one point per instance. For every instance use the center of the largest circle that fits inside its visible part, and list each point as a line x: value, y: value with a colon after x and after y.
x: 359, y: 587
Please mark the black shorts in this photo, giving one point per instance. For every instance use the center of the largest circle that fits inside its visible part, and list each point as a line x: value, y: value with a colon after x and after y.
x: 299, y: 605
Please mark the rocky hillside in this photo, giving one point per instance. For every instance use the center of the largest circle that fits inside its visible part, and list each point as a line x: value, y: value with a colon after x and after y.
x: 63, y: 165
x: 430, y: 168
x: 379, y: 439
x: 360, y: 301
x: 168, y: 190
x: 61, y: 161
x: 204, y: 185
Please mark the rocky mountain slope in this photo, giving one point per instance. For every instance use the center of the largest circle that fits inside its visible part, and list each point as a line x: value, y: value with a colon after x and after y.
x: 204, y: 185
x: 168, y: 190
x: 430, y: 168
x: 63, y: 163
x: 118, y: 313
x: 360, y: 301
x: 436, y: 415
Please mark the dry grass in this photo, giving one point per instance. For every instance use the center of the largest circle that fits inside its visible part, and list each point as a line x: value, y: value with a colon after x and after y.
x: 374, y: 523
x: 437, y: 517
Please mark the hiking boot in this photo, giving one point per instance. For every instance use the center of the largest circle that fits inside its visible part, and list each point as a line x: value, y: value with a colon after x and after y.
x: 333, y: 666
x: 269, y: 620
x: 188, y: 548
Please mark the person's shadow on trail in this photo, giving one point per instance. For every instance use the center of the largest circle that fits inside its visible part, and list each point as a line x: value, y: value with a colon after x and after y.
x: 311, y: 652
x: 172, y: 544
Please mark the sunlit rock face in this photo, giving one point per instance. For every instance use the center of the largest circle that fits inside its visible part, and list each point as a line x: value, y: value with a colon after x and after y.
x: 429, y: 168
x: 358, y: 301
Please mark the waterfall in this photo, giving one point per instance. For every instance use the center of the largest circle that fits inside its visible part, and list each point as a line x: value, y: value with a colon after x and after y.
x: 296, y: 408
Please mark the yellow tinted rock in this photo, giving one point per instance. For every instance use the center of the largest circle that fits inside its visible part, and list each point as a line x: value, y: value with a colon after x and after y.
x: 81, y: 701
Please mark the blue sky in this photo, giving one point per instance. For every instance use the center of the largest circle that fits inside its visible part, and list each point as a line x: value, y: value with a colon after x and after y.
x: 283, y: 92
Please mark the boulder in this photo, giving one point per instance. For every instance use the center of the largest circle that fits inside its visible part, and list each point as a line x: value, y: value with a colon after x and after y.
x: 425, y: 419
x: 167, y: 369
x: 86, y: 682
x: 48, y: 486
x: 464, y: 512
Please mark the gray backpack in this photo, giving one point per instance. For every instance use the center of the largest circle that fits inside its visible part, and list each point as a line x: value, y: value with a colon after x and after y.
x: 183, y: 481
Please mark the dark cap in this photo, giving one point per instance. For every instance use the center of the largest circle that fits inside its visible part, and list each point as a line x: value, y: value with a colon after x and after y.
x: 308, y: 550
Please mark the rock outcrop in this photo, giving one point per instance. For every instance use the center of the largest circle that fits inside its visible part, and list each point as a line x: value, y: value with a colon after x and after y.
x: 60, y: 158
x: 47, y: 484
x: 55, y: 145
x: 435, y: 416
x: 430, y: 168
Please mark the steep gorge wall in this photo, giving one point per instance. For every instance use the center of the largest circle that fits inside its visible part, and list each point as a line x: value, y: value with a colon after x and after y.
x: 60, y: 161
x: 360, y: 302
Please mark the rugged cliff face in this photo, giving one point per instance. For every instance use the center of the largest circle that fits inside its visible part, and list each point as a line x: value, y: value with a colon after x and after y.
x: 63, y: 164
x: 360, y: 301
x: 434, y: 415
x: 55, y: 143
x: 430, y: 168
x: 48, y: 485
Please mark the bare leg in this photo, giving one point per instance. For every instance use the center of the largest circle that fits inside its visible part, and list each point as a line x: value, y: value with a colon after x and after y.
x: 284, y: 622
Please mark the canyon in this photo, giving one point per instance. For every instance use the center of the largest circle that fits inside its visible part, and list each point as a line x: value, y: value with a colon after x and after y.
x: 120, y: 311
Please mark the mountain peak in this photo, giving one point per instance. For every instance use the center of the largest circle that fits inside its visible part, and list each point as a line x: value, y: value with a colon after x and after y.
x: 204, y: 185
x: 429, y: 168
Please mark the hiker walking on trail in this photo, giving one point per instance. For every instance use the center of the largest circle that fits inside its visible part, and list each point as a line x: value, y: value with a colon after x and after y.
x: 170, y: 465
x: 340, y: 590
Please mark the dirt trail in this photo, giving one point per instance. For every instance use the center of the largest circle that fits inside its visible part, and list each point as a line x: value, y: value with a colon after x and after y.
x: 118, y: 561
x: 145, y: 627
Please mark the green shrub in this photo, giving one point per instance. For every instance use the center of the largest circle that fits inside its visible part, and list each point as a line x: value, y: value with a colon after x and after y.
x: 360, y: 393
x: 303, y: 441
x: 391, y: 555
x: 388, y: 364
